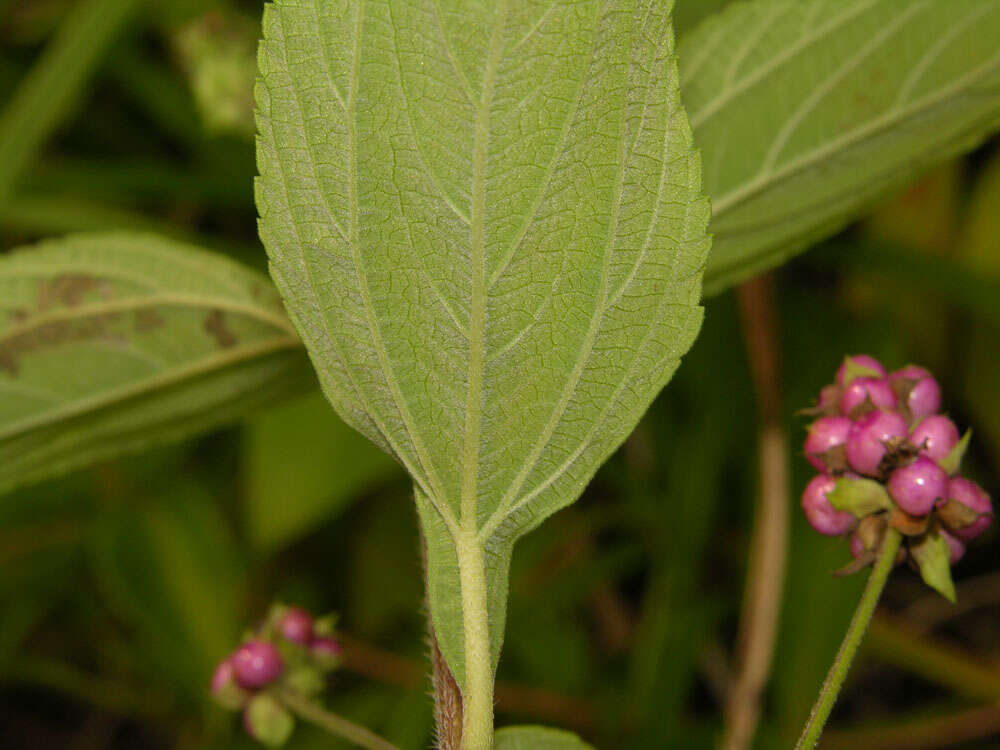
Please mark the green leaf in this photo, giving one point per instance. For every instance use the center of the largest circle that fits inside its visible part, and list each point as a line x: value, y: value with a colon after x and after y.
x: 486, y: 224
x: 304, y: 466
x: 862, y: 497
x: 931, y: 555
x: 270, y: 723
x: 537, y: 738
x: 110, y: 343
x: 953, y: 461
x: 808, y: 111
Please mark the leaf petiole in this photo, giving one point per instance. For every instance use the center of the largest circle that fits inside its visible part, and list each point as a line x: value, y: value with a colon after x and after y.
x: 332, y: 723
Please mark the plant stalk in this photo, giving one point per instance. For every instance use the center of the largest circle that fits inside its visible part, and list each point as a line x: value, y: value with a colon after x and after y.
x: 335, y: 725
x: 477, y: 693
x: 855, y: 633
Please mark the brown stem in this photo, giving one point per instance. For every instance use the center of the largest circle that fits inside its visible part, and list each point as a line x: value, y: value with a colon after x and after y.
x: 769, y: 542
x: 447, y: 701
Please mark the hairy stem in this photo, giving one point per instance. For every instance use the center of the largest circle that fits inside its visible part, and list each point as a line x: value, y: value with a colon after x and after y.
x: 855, y: 633
x: 332, y: 723
x: 477, y: 696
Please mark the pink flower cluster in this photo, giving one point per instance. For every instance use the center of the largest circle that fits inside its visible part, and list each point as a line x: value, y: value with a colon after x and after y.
x: 887, y: 427
x: 290, y: 645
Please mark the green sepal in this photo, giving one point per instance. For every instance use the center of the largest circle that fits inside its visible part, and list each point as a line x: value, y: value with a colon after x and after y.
x: 307, y: 680
x: 268, y: 721
x: 853, y: 370
x: 953, y: 461
x: 931, y: 555
x: 862, y: 497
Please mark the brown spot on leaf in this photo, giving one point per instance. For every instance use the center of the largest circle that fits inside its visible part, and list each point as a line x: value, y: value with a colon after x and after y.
x: 147, y: 320
x: 217, y: 328
x: 69, y: 290
x: 52, y: 334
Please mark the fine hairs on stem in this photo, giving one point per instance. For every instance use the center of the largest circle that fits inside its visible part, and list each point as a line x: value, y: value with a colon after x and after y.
x: 855, y: 633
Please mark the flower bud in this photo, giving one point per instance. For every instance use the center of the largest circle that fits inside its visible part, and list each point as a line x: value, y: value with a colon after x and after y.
x: 916, y: 487
x: 974, y: 497
x: 858, y: 365
x: 296, y: 625
x: 866, y: 442
x: 257, y: 664
x: 935, y: 436
x: 917, y: 390
x: 327, y: 652
x: 821, y: 515
x: 225, y: 690
x: 826, y: 435
x: 867, y: 393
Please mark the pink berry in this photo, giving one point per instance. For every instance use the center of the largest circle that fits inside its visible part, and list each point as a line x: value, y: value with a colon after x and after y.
x: 825, y: 434
x: 859, y: 360
x: 972, y: 496
x: 956, y: 549
x: 256, y: 664
x: 935, y: 436
x: 924, y: 395
x: 874, y: 391
x: 916, y: 487
x: 866, y: 440
x: 327, y: 651
x: 821, y: 515
x: 296, y: 625
x: 225, y: 689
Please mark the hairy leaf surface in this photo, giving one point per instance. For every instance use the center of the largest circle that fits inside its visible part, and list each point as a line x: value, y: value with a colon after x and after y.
x: 486, y: 223
x: 807, y: 112
x: 112, y: 342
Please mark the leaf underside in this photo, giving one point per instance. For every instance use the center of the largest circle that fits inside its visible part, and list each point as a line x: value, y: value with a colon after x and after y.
x: 110, y: 343
x: 537, y: 738
x: 809, y: 111
x: 486, y: 224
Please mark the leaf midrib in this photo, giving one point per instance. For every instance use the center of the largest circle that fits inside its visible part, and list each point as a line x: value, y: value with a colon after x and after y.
x: 477, y: 259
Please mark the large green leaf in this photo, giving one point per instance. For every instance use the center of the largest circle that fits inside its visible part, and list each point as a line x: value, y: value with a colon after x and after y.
x: 486, y: 223
x: 112, y: 342
x: 807, y: 111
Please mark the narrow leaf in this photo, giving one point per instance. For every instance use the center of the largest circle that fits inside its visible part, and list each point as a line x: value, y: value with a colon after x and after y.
x: 486, y: 223
x: 537, y: 738
x: 808, y: 111
x: 931, y: 556
x: 112, y: 342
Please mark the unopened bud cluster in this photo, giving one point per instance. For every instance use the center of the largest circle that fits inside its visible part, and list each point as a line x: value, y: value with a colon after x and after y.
x: 886, y: 456
x: 290, y: 650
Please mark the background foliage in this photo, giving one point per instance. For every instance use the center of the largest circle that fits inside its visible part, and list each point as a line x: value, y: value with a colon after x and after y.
x: 122, y: 584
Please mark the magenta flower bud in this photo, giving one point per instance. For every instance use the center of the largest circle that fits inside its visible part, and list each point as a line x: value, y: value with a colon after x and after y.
x: 296, y: 625
x: 867, y: 438
x: 935, y: 436
x: 956, y: 549
x: 974, y: 497
x: 924, y: 394
x: 821, y: 515
x: 256, y: 664
x: 874, y: 391
x: 859, y: 360
x: 916, y: 487
x: 825, y: 434
x: 225, y: 690
x: 327, y: 652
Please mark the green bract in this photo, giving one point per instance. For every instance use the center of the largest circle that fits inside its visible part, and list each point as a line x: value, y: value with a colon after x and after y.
x: 487, y: 226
